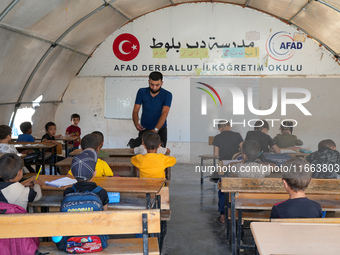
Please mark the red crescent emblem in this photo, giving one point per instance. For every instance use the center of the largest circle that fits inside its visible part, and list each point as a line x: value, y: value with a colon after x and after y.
x: 126, y: 47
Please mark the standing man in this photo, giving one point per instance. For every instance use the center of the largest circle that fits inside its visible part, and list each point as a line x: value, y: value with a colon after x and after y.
x: 155, y: 102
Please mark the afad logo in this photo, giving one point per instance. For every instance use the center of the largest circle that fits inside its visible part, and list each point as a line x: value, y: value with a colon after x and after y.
x: 282, y: 46
x: 204, y: 97
x: 126, y: 47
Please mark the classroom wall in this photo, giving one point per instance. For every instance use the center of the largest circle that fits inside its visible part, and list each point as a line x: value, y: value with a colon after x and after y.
x: 85, y: 96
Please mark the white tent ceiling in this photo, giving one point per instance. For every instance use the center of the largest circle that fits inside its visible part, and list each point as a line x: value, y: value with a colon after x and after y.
x: 44, y: 43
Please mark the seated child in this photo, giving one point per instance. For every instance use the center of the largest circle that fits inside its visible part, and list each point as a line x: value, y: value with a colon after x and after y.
x: 83, y: 169
x: 152, y: 165
x: 295, y: 183
x: 251, y: 166
x: 141, y: 149
x: 11, y: 190
x: 260, y: 135
x: 227, y: 143
x: 100, y: 137
x: 325, y: 155
x: 26, y: 129
x: 5, y: 137
x: 286, y: 138
x: 74, y: 130
x: 50, y: 136
x: 90, y: 142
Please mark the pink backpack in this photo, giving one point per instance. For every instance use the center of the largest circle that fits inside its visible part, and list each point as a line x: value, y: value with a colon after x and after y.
x: 18, y: 246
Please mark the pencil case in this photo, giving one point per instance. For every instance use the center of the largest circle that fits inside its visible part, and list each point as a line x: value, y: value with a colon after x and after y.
x: 114, y: 197
x: 305, y: 151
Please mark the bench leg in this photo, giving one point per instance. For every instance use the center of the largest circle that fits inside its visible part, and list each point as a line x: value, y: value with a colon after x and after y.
x: 233, y: 224
x: 202, y: 177
x: 239, y: 229
x: 226, y: 213
x: 148, y: 201
x: 162, y: 235
x: 145, y: 235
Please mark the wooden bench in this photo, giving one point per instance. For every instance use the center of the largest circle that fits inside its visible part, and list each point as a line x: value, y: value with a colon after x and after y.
x: 309, y: 220
x: 255, y: 193
x: 121, y: 222
x: 120, y: 165
x: 207, y: 157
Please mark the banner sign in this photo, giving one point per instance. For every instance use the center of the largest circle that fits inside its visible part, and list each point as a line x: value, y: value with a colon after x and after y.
x: 205, y: 39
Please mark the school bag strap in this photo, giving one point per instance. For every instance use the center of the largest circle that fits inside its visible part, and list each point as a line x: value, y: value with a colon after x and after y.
x: 96, y: 190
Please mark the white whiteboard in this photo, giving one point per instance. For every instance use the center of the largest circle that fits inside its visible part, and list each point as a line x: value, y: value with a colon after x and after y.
x: 120, y: 95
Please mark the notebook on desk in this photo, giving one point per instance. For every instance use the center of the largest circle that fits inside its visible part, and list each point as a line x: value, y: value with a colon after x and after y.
x: 65, y: 181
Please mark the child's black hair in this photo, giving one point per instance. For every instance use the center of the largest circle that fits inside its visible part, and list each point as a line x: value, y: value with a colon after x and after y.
x: 4, y: 131
x: 287, y: 126
x: 75, y: 115
x: 99, y: 135
x: 298, y: 174
x: 151, y: 140
x: 25, y: 126
x: 260, y: 125
x: 10, y: 164
x: 49, y: 124
x: 326, y: 143
x: 251, y: 149
x: 90, y: 141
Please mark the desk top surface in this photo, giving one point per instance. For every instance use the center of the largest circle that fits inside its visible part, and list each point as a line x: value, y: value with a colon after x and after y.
x: 112, y: 161
x: 31, y: 145
x: 275, y: 185
x: 123, y: 152
x: 21, y: 155
x: 307, y: 238
x: 112, y: 184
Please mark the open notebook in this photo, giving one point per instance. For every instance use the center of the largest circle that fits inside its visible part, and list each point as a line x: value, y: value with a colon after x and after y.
x: 65, y: 181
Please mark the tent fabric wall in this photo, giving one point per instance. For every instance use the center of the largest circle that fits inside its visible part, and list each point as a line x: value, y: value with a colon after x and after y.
x: 44, y: 44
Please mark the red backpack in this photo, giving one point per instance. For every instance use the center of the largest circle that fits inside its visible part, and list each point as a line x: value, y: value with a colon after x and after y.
x: 18, y: 246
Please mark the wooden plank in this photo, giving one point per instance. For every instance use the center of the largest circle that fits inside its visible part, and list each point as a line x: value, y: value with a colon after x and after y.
x: 85, y: 223
x: 119, y: 152
x: 127, y: 246
x: 296, y: 238
x: 309, y: 220
x: 54, y: 201
x: 112, y: 184
x: 267, y: 204
x: 165, y: 198
x: 120, y: 165
x: 275, y: 185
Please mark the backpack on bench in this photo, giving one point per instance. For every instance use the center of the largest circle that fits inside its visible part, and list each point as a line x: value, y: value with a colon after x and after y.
x: 82, y: 202
x: 17, y: 246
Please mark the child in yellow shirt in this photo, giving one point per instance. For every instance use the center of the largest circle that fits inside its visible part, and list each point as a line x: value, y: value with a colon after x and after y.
x: 152, y: 165
x: 90, y: 141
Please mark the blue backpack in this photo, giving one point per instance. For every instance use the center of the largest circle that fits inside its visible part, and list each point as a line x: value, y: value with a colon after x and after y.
x: 82, y: 202
x: 275, y: 158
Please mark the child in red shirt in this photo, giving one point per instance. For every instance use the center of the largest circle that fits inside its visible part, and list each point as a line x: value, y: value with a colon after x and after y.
x: 74, y: 130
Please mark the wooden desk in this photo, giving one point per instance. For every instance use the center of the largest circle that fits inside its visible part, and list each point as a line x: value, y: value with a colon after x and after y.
x: 296, y: 238
x: 121, y: 166
x: 124, y: 152
x: 36, y: 145
x: 131, y: 185
x: 66, y: 139
x: 18, y: 154
x: 269, y: 185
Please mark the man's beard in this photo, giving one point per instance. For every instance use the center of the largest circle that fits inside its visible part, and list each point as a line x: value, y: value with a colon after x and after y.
x: 153, y: 91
